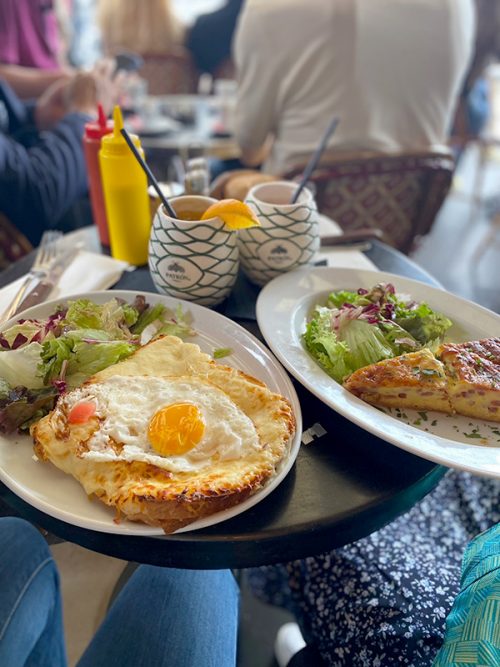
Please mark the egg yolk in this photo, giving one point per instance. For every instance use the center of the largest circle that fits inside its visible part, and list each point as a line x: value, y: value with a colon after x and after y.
x: 176, y: 428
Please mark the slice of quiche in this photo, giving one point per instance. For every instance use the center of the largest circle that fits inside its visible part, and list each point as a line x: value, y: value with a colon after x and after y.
x: 415, y: 380
x: 473, y: 372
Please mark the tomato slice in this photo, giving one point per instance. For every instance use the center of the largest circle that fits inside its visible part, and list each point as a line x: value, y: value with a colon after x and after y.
x: 81, y: 412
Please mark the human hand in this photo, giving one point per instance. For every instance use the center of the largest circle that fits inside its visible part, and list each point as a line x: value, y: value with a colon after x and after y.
x: 81, y: 93
x: 52, y: 105
x: 110, y: 83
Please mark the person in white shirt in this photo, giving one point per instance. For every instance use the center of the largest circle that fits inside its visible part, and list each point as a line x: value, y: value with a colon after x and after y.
x: 391, y: 70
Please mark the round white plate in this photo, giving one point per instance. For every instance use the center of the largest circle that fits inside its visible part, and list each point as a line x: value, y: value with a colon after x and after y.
x: 50, y: 490
x: 283, y: 308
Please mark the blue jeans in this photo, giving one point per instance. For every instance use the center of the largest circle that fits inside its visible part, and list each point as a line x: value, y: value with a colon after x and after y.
x: 179, y: 618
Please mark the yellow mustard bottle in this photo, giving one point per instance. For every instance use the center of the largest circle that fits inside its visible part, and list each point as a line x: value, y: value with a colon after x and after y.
x: 125, y: 188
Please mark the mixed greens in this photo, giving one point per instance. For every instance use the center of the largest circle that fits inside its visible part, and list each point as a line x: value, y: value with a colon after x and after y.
x: 355, y: 329
x: 39, y: 359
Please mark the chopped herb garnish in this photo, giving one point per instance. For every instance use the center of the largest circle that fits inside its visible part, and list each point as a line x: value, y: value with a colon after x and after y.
x: 221, y: 352
x: 423, y: 415
x: 434, y: 422
x: 473, y: 435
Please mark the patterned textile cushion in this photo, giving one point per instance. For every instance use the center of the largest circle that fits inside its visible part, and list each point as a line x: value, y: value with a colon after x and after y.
x: 13, y: 244
x: 398, y: 194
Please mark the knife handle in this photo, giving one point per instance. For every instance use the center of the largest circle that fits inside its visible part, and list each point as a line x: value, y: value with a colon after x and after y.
x: 356, y: 235
x: 17, y: 300
x: 38, y: 294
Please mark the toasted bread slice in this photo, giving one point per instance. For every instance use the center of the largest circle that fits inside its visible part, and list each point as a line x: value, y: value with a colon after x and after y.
x: 473, y: 372
x: 415, y: 380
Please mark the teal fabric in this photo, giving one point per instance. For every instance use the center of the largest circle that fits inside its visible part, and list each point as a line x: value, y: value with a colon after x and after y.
x: 473, y: 626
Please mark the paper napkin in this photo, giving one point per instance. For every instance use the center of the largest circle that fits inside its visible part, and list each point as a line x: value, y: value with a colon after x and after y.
x: 338, y: 256
x: 87, y: 272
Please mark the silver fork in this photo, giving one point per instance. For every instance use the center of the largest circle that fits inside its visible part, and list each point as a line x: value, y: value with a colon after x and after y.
x: 46, y: 255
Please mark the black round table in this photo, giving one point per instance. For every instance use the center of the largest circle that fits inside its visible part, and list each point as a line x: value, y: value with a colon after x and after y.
x: 343, y: 486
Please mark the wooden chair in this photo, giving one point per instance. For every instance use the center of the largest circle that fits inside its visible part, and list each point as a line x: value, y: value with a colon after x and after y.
x: 399, y: 194
x: 13, y: 244
x: 170, y: 74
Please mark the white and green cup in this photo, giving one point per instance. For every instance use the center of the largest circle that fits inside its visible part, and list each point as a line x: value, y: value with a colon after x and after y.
x: 288, y: 237
x: 192, y: 259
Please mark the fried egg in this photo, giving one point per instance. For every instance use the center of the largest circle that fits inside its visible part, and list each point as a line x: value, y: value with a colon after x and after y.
x: 180, y: 424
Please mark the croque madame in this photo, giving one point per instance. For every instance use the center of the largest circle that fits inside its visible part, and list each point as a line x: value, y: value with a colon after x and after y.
x: 168, y: 436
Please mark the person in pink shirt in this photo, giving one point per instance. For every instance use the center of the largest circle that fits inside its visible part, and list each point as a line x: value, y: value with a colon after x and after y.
x: 29, y: 46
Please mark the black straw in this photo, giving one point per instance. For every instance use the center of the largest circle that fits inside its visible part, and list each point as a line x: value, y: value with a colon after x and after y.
x: 149, y: 173
x: 313, y: 162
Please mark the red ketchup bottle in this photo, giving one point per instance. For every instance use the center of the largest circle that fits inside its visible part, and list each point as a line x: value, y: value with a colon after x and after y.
x: 91, y: 145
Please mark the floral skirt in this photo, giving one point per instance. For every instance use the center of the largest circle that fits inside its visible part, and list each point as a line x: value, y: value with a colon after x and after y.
x: 383, y: 600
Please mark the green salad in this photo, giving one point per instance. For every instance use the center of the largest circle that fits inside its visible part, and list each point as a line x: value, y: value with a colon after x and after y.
x: 39, y: 359
x: 355, y: 329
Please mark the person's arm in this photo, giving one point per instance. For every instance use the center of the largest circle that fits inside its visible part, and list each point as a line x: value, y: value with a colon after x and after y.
x: 18, y: 113
x: 29, y: 82
x: 38, y: 185
x: 258, y: 70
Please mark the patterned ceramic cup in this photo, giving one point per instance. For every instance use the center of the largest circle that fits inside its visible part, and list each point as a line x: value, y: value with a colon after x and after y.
x: 192, y: 259
x: 289, y: 234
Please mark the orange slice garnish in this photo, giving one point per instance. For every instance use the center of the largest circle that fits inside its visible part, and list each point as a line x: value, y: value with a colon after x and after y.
x: 234, y: 213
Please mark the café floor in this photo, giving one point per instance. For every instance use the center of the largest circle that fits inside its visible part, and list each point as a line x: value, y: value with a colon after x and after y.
x: 88, y: 579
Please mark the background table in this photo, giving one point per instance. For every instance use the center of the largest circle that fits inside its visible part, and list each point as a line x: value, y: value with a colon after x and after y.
x: 343, y: 486
x: 202, y: 114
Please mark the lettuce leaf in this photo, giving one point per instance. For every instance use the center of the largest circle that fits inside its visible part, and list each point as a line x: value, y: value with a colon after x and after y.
x: 366, y: 344
x: 160, y: 320
x: 20, y: 406
x: 73, y: 358
x: 323, y: 345
x: 356, y: 329
x: 25, y: 332
x: 20, y: 366
x: 425, y: 324
x: 112, y: 317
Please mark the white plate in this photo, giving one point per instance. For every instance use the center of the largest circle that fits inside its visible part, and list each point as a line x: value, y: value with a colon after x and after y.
x: 284, y: 306
x: 50, y: 490
x: 152, y: 127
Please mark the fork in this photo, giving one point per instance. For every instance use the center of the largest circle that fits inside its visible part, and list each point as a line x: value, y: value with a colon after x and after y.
x: 46, y: 255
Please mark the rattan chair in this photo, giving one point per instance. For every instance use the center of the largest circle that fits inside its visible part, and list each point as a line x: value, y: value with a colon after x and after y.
x: 170, y: 74
x: 399, y: 194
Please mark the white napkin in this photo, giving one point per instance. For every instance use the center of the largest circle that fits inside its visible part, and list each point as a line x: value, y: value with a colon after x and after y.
x: 337, y: 256
x: 88, y: 271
